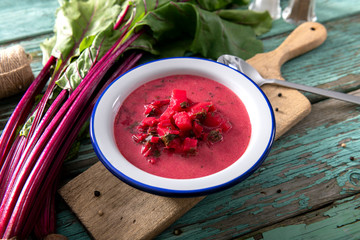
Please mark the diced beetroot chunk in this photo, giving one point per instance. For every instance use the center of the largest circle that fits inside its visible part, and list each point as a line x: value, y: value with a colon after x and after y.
x: 213, y: 119
x: 226, y: 126
x: 165, y: 127
x: 178, y: 100
x: 154, y: 139
x: 149, y: 109
x: 182, y: 121
x: 177, y: 93
x: 165, y: 123
x: 177, y: 124
x: 198, y: 129
x: 167, y: 114
x: 154, y: 108
x: 174, y: 131
x: 162, y: 131
x: 190, y: 145
x: 212, y: 108
x: 149, y: 121
x: 175, y: 144
x: 201, y: 108
x: 160, y: 103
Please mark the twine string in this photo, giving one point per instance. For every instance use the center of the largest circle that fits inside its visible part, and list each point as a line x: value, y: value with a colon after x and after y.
x: 15, y: 71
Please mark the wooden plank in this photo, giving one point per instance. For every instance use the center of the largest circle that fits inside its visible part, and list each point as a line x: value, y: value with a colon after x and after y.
x: 67, y: 224
x: 136, y: 214
x: 306, y: 169
x: 23, y: 19
x: 340, y: 220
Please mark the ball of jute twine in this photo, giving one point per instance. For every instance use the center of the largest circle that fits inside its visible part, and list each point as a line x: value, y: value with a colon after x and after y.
x: 15, y: 71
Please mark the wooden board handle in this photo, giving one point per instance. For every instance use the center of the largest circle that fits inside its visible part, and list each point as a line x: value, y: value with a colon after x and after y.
x: 304, y: 38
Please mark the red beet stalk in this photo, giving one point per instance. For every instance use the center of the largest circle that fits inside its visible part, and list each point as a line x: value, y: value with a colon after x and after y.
x: 24, y: 214
x: 23, y: 109
x: 47, y: 219
x: 121, y: 18
x: 52, y: 140
x: 18, y: 170
x: 10, y: 164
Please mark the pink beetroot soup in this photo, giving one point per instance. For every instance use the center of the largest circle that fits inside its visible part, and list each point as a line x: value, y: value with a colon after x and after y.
x: 208, y: 159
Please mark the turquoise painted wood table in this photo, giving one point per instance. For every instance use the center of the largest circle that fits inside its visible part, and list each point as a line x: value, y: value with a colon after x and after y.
x: 307, y: 188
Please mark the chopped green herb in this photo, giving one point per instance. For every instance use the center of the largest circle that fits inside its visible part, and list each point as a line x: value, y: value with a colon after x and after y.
x: 215, y: 136
x: 167, y: 138
x: 184, y: 104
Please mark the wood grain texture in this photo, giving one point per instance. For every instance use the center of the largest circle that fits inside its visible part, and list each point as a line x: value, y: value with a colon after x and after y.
x: 304, y: 38
x: 338, y: 220
x: 120, y: 212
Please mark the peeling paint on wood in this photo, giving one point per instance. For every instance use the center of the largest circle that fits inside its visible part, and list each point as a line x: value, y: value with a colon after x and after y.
x: 21, y: 19
x: 341, y: 221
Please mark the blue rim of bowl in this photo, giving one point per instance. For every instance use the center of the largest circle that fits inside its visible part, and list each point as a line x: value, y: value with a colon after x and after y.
x: 181, y: 193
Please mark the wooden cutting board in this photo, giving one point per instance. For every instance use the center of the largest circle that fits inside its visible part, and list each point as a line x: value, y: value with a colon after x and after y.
x: 123, y: 212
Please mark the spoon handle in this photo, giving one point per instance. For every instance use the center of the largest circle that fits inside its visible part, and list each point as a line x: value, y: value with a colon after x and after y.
x: 319, y: 91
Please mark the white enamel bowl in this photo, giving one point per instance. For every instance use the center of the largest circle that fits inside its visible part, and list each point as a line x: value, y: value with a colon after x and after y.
x: 258, y: 107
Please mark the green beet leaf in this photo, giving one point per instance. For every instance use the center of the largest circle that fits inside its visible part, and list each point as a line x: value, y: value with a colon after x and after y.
x: 76, y: 20
x: 212, y: 5
x: 184, y: 27
x: 260, y: 21
x: 94, y: 47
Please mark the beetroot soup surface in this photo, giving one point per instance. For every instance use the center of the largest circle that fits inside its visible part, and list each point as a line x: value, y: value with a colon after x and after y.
x: 209, y: 159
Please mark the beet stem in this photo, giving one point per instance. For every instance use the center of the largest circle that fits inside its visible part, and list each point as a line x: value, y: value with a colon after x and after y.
x: 25, y: 188
x: 22, y: 109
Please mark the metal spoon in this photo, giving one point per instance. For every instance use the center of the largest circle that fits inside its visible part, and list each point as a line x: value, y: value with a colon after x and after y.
x: 239, y: 64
